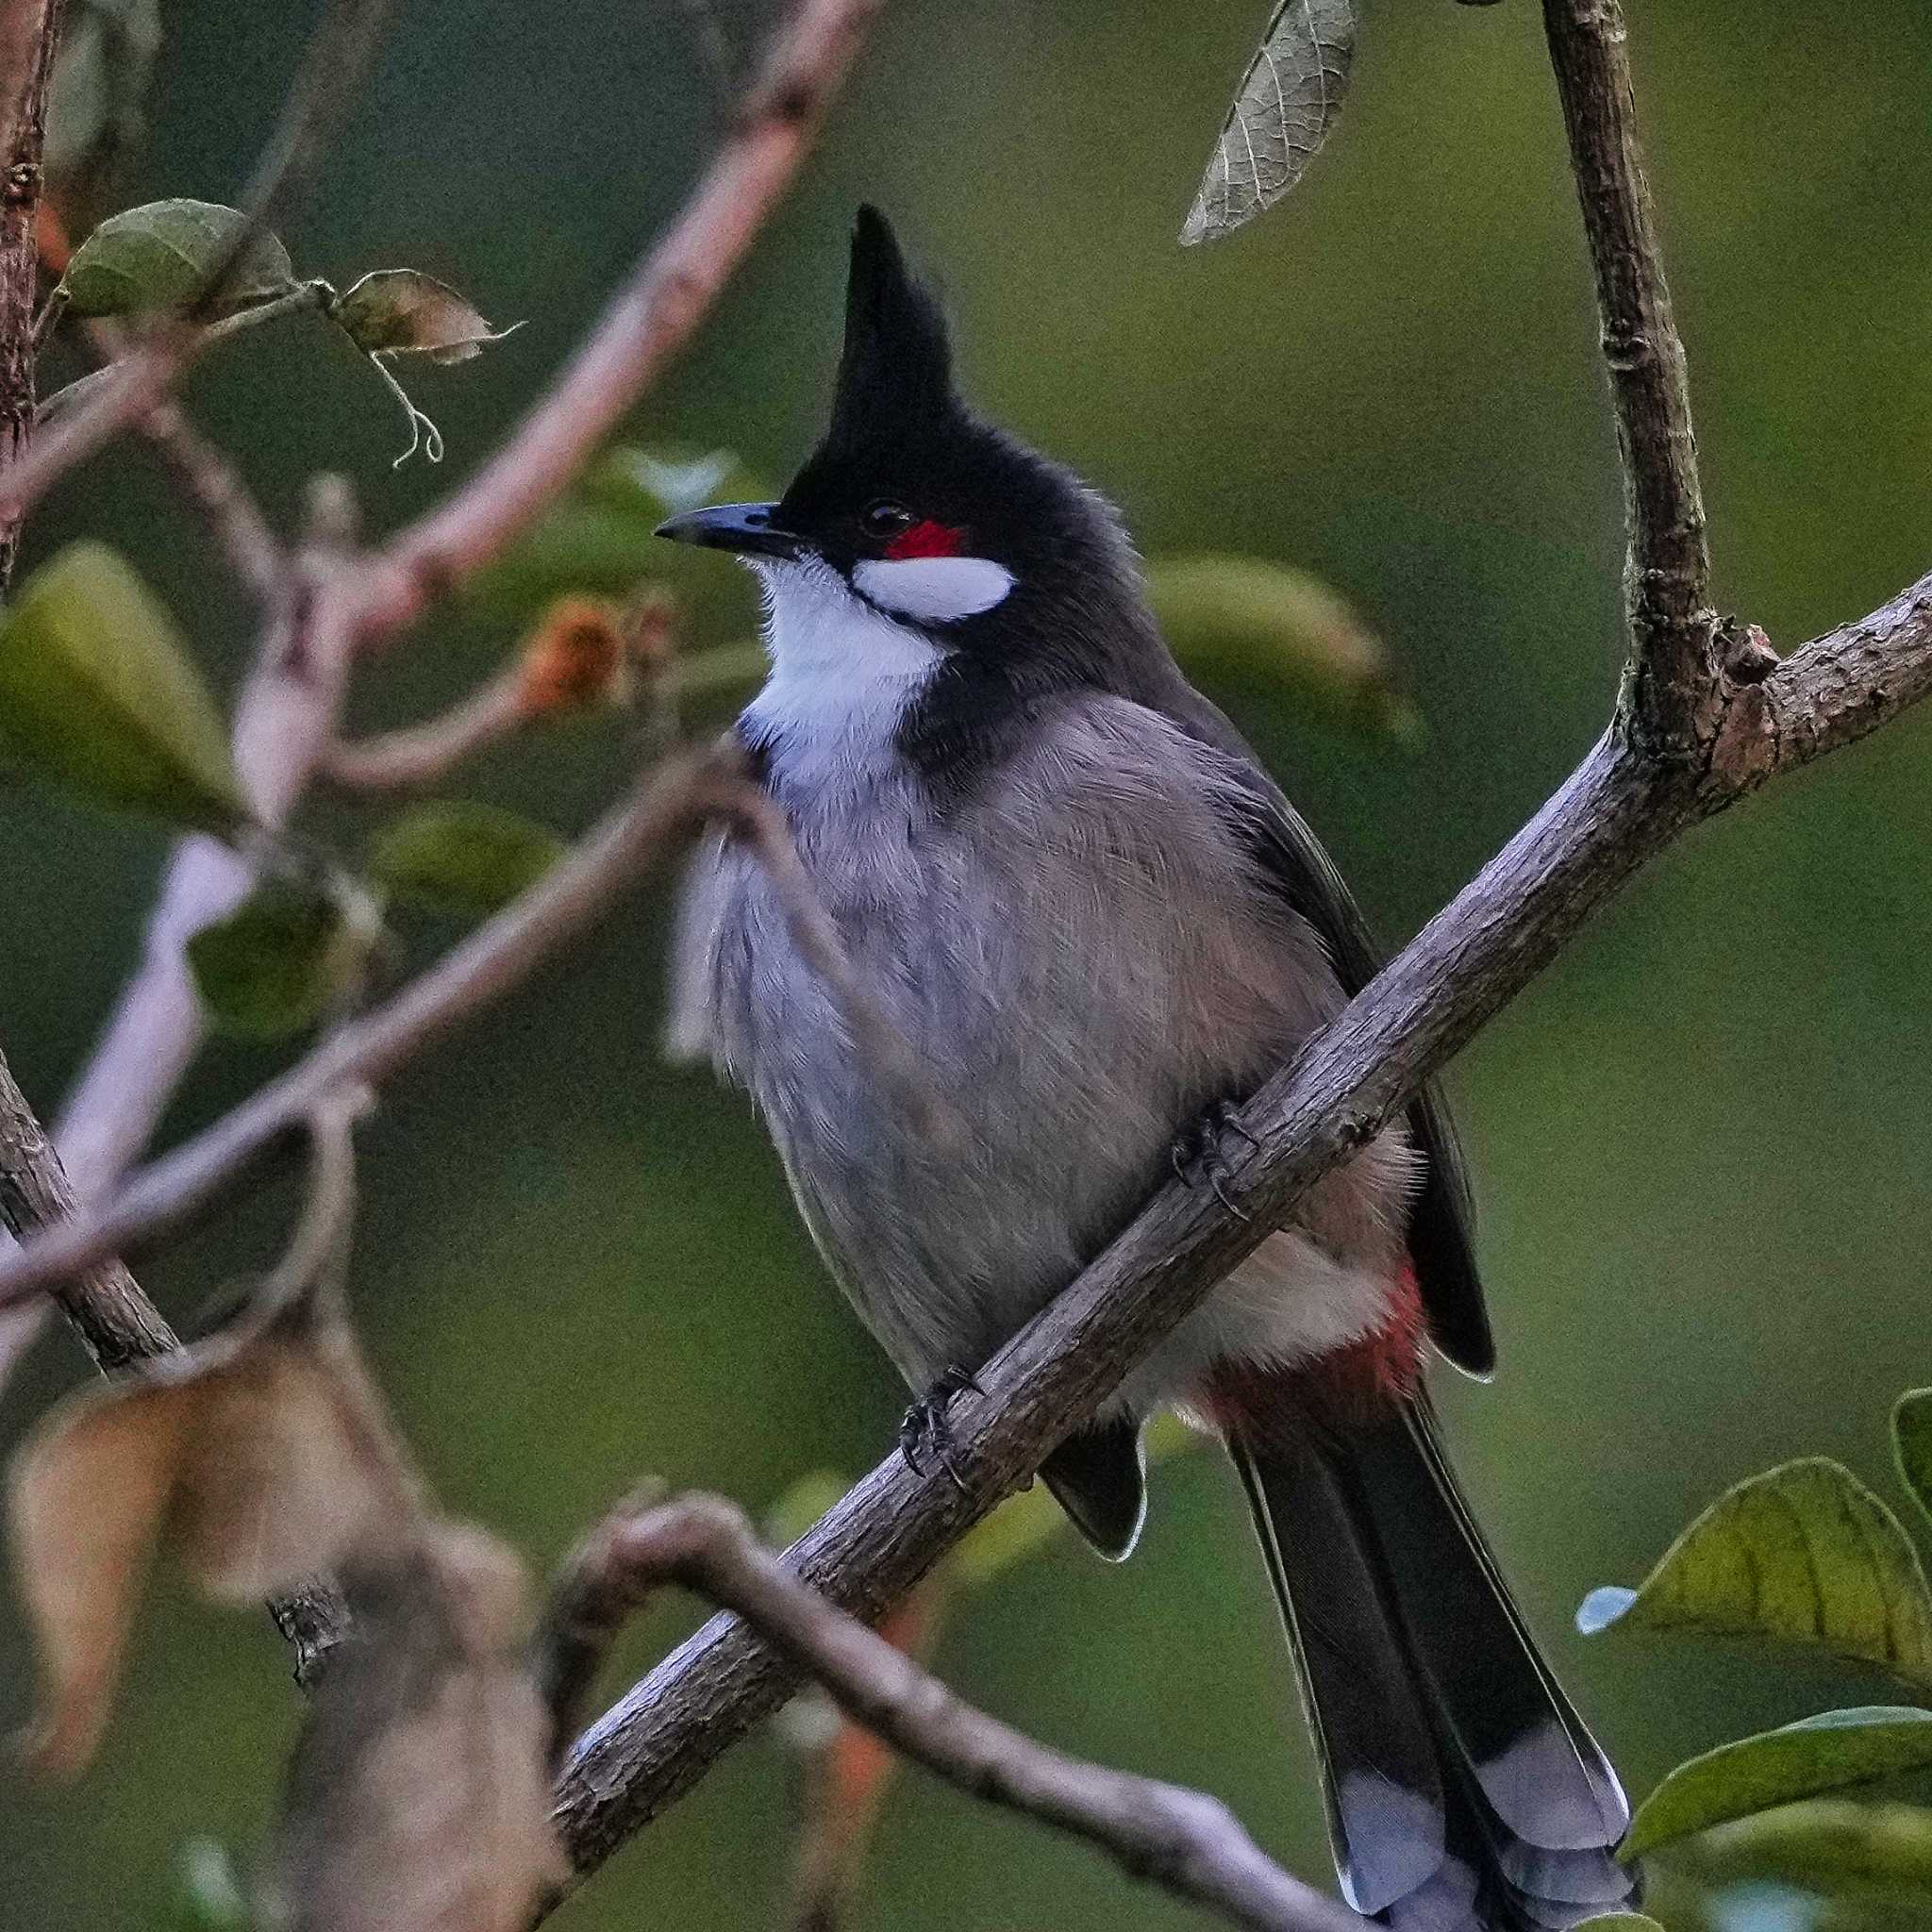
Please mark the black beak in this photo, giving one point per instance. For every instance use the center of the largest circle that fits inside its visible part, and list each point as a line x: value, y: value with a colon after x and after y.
x: 746, y: 529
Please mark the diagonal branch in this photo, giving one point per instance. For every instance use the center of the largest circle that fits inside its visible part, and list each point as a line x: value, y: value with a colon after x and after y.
x: 1673, y: 628
x: 1183, y: 1840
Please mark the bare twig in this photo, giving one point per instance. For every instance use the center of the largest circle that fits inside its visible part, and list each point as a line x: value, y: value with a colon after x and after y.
x: 214, y: 485
x: 423, y: 755
x: 115, y: 1321
x: 29, y: 30
x: 663, y: 811
x: 1181, y: 1840
x: 1673, y: 628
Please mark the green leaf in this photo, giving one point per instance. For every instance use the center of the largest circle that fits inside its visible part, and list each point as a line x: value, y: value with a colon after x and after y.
x: 401, y: 311
x: 274, y: 963
x: 1828, y: 1753
x: 1805, y: 1553
x: 208, y: 1896
x: 1619, y: 1922
x: 1239, y: 616
x: 107, y: 49
x: 463, y: 857
x: 98, y: 695
x: 1874, y: 1855
x: 1912, y: 1441
x: 1287, y: 103
x: 159, y: 254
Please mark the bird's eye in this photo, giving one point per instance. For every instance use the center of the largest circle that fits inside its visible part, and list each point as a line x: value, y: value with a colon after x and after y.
x: 885, y: 518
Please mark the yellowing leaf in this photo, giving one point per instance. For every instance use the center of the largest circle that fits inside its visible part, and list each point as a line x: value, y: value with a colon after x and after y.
x: 399, y: 311
x: 260, y: 1458
x: 98, y: 695
x: 1805, y: 1553
x: 419, y: 1794
x: 465, y: 858
x: 1287, y: 102
x: 1244, y: 617
x: 159, y: 256
x: 1829, y: 1752
x: 273, y: 965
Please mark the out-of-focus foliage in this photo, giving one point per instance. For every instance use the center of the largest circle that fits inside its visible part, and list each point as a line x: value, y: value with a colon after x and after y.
x: 1703, y: 1226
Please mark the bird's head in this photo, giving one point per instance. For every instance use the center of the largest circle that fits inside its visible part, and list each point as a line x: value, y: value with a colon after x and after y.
x: 914, y: 511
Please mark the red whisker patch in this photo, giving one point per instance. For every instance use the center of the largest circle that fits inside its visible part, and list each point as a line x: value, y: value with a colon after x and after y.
x: 926, y: 538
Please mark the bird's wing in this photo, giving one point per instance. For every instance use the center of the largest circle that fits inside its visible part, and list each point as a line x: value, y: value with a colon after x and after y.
x: 1440, y: 1222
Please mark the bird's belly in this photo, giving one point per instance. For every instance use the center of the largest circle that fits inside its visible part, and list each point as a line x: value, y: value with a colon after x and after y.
x: 1071, y: 1021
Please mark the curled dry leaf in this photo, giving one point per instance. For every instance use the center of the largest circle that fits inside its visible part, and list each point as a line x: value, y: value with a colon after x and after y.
x: 401, y: 311
x: 260, y: 1457
x: 418, y: 1798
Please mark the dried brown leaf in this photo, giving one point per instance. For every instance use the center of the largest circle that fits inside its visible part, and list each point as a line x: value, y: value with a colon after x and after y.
x: 418, y: 1799
x: 259, y: 1458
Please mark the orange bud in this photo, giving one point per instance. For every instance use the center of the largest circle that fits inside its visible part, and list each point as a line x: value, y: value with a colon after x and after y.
x: 574, y: 659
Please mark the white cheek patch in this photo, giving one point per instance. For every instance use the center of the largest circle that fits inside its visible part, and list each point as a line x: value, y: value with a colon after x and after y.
x: 934, y: 589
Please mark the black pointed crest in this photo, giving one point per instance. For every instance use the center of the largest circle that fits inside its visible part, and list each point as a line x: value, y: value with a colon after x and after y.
x: 897, y: 369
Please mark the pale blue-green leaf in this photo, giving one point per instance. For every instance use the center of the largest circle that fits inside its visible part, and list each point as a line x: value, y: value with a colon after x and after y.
x: 1287, y: 103
x: 1864, y: 1858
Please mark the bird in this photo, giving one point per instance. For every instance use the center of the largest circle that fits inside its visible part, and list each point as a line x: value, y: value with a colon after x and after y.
x: 1097, y: 924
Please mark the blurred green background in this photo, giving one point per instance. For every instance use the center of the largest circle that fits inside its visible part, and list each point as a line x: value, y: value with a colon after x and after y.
x: 1699, y: 1141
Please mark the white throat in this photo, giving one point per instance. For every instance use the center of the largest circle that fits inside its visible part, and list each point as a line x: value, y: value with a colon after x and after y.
x: 843, y: 673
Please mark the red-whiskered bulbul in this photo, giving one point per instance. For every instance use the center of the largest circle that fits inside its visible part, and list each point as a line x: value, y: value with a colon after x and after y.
x: 1097, y: 921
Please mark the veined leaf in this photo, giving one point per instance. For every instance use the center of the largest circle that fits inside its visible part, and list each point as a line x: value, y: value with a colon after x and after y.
x: 1805, y: 1553
x: 461, y: 856
x: 159, y: 254
x: 98, y: 694
x: 1287, y: 102
x: 1911, y: 1441
x: 1828, y: 1753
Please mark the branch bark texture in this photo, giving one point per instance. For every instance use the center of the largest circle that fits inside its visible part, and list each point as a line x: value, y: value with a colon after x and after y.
x: 28, y: 31
x: 1673, y: 628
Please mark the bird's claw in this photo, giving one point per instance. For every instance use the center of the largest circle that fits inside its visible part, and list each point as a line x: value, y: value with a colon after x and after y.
x: 925, y: 1431
x: 1196, y: 1154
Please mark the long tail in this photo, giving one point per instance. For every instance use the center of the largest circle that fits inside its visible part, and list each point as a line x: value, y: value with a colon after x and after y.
x: 1464, y: 1794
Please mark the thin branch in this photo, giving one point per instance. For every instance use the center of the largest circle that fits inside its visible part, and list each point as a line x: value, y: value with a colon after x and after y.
x: 647, y: 325
x: 663, y: 812
x: 116, y: 1322
x: 212, y: 484
x: 28, y: 31
x: 1616, y: 810
x: 423, y: 754
x: 1181, y: 1840
x: 1668, y: 687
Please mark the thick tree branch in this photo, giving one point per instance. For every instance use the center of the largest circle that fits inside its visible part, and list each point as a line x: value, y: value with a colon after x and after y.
x: 28, y: 31
x: 1616, y: 810
x: 1668, y: 687
x: 1181, y: 1840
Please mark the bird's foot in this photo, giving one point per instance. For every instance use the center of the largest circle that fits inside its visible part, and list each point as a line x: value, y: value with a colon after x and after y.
x: 1197, y: 1153
x: 925, y: 1431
